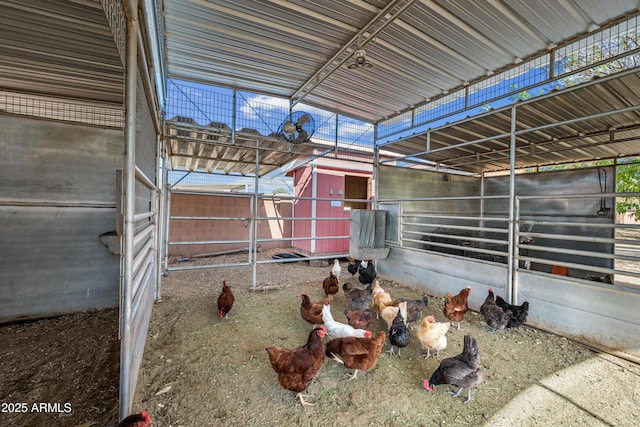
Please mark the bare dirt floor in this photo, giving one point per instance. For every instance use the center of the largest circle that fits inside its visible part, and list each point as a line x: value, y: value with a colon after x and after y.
x: 199, y: 370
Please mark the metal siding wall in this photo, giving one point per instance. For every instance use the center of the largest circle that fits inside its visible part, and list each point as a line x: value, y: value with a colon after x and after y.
x: 57, y: 196
x: 583, y: 181
x: 602, y: 316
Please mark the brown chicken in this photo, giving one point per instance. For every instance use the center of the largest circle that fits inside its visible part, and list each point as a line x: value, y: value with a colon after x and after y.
x: 359, y: 319
x: 225, y: 301
x: 456, y: 306
x: 330, y: 284
x: 312, y: 311
x: 136, y: 420
x: 297, y: 367
x: 359, y: 354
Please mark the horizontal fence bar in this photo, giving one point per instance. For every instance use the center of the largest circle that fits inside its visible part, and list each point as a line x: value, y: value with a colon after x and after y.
x: 457, y: 227
x: 578, y: 252
x: 458, y: 247
x: 414, y: 214
x: 205, y: 266
x: 576, y: 238
x: 209, y: 242
x: 435, y: 199
x: 211, y: 218
x: 577, y: 266
x: 144, y: 215
x: 451, y: 236
x: 303, y: 238
x: 579, y: 224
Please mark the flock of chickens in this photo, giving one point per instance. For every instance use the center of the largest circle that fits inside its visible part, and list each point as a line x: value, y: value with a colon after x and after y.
x: 353, y: 345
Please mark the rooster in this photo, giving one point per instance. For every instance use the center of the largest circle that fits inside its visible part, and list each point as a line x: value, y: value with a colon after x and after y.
x: 359, y: 354
x: 297, y: 367
x: 136, y: 420
x: 398, y: 332
x: 225, y: 301
x: 312, y: 311
x: 330, y: 284
x: 519, y: 313
x: 432, y: 335
x: 340, y: 330
x: 461, y: 371
x: 456, y: 306
x: 360, y: 319
x: 357, y: 299
x: 494, y: 315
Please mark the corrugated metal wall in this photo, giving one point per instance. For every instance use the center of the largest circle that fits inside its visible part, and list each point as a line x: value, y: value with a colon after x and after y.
x: 58, y: 195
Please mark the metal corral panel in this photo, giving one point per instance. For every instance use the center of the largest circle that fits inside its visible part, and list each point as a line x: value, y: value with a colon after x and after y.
x: 52, y: 262
x: 603, y: 316
x: 437, y: 274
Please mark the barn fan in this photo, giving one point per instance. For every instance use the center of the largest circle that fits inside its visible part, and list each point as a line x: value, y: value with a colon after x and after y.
x: 298, y: 128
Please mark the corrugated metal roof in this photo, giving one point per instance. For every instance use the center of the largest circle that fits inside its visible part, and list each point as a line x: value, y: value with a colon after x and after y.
x: 61, y: 48
x: 277, y: 47
x: 549, y: 130
x: 420, y: 49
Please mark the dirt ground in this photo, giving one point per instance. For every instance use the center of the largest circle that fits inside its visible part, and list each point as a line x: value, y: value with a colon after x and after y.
x: 199, y: 370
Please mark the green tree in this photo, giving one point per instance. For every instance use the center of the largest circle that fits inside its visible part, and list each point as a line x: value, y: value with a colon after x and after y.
x: 628, y: 181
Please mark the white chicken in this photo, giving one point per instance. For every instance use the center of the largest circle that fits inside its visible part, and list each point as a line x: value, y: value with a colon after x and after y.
x: 336, y: 269
x: 338, y: 329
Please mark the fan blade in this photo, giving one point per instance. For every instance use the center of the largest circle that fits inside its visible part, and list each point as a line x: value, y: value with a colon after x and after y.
x: 303, y: 120
x: 302, y: 136
x: 288, y: 128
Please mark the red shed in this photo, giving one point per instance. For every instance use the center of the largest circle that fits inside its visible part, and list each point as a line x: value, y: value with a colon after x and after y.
x: 322, y: 185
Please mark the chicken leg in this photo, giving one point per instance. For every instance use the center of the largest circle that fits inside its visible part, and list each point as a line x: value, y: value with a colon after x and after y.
x: 457, y: 394
x: 301, y: 396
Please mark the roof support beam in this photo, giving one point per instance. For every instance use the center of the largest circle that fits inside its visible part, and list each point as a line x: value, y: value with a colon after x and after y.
x: 384, y: 18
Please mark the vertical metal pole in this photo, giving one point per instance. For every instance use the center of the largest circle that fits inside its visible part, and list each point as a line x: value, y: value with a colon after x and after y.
x: 516, y: 253
x: 376, y: 166
x: 254, y: 217
x: 160, y: 216
x: 512, y: 186
x: 314, y: 205
x: 167, y: 191
x: 126, y: 345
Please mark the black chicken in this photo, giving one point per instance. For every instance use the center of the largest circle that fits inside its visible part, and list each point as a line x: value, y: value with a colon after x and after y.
x: 461, y: 371
x: 367, y: 272
x: 353, y: 265
x: 495, y: 316
x: 398, y: 332
x: 519, y: 313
